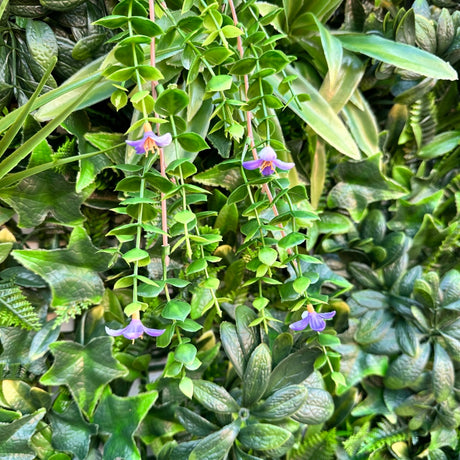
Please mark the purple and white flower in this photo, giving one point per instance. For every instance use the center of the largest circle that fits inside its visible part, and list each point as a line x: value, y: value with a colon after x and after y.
x: 150, y: 141
x: 267, y: 162
x: 315, y: 320
x: 134, y: 330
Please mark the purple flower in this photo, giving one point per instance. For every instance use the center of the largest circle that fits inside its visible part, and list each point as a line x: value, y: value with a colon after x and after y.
x: 267, y: 162
x: 312, y: 319
x: 134, y: 330
x: 150, y: 141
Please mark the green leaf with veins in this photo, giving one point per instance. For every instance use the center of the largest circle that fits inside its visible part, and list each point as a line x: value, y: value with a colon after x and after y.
x: 362, y: 182
x: 71, y: 432
x: 15, y: 437
x: 71, y: 272
x: 85, y: 370
x: 48, y: 192
x: 120, y: 418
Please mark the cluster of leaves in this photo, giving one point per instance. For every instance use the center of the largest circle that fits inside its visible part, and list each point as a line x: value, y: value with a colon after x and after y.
x: 221, y: 258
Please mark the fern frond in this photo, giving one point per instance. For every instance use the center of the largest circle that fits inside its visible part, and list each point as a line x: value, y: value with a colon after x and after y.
x: 356, y: 440
x: 15, y: 309
x: 319, y: 446
x: 66, y: 312
x: 385, y: 434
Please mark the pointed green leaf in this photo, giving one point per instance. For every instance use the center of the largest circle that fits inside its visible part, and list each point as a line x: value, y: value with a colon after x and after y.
x: 399, y: 54
x: 71, y: 272
x: 85, y: 370
x: 120, y: 417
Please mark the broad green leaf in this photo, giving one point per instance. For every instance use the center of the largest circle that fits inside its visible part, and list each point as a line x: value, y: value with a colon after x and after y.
x: 34, y: 197
x: 333, y: 52
x: 194, y: 423
x: 70, y: 431
x: 41, y: 42
x: 176, y: 310
x: 317, y: 113
x: 248, y: 336
x: 398, y: 54
x: 15, y: 437
x: 215, y: 446
x: 120, y: 417
x: 85, y: 370
x: 232, y: 347
x: 405, y: 370
x: 317, y: 407
x: 363, y: 125
x: 363, y: 182
x: 71, y: 272
x: 20, y: 396
x: 441, y: 144
x: 219, y: 83
x: 282, y: 403
x: 263, y: 436
x: 356, y: 364
x: 256, y: 375
x: 192, y: 142
x: 443, y: 374
x: 171, y: 102
x: 214, y: 397
x: 292, y: 370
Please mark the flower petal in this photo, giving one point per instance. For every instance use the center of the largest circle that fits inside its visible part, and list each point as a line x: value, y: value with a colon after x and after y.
x: 114, y: 332
x: 134, y: 330
x: 316, y: 322
x: 267, y: 154
x: 300, y: 325
x: 327, y: 315
x: 138, y: 145
x: 162, y: 141
x: 253, y: 164
x: 268, y: 169
x: 283, y: 164
x: 153, y: 332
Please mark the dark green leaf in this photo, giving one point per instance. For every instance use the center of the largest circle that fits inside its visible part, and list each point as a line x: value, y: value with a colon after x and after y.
x: 72, y: 272
x: 214, y: 398
x: 256, y: 375
x: 262, y: 436
x: 85, y: 370
x: 405, y: 370
x: 216, y: 445
x: 120, y: 417
x: 292, y: 370
x: 232, y: 346
x: 283, y: 403
x: 443, y: 374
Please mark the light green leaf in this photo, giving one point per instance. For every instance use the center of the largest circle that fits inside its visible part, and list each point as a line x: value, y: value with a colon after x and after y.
x: 317, y: 113
x: 399, y: 54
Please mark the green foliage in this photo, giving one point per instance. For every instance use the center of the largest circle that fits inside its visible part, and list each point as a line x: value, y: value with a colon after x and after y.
x: 198, y: 263
x: 15, y: 309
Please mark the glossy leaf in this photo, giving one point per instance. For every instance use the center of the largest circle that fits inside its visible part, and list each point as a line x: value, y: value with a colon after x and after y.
x: 399, y: 54
x: 120, y: 417
x: 256, y: 375
x: 71, y: 272
x: 85, y: 370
